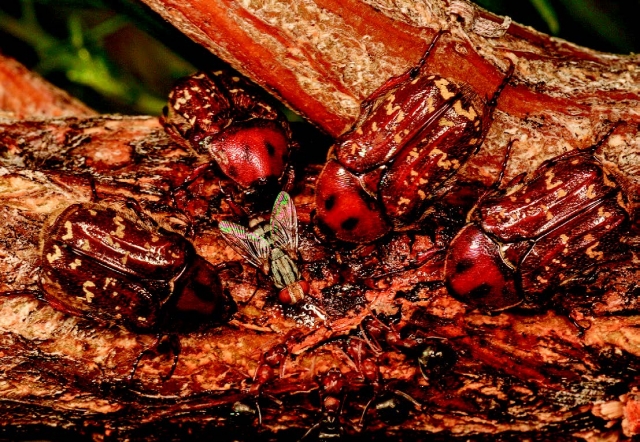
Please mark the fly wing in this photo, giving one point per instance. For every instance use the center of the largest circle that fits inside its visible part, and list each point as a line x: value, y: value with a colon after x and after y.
x: 254, y: 248
x: 284, y: 225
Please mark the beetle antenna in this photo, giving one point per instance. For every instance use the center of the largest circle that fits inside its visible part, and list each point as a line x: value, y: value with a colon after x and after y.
x: 423, y: 60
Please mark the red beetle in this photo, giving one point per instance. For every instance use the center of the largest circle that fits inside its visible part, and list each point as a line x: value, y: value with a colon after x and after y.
x: 231, y: 121
x: 539, y: 234
x: 112, y: 266
x: 413, y: 134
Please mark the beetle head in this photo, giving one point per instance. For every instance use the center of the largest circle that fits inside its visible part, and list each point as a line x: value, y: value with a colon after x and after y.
x: 344, y: 209
x: 199, y: 297
x: 476, y: 273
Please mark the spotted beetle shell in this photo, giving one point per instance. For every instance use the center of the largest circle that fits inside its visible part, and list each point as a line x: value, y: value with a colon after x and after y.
x: 567, y: 219
x: 415, y: 117
x: 227, y: 118
x: 101, y: 263
x: 560, y: 189
x: 400, y: 153
x: 206, y: 103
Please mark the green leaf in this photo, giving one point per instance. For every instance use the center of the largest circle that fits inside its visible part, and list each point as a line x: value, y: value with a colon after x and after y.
x: 601, y: 20
x: 548, y: 14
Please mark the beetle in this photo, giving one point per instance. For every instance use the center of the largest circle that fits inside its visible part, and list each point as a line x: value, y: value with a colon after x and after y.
x: 413, y: 134
x: 540, y: 233
x: 111, y: 265
x: 272, y: 247
x: 230, y: 120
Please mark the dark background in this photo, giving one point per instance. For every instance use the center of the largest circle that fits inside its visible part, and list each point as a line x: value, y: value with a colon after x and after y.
x: 119, y: 56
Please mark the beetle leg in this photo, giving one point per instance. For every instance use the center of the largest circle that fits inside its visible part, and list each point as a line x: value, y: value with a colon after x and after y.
x: 288, y: 179
x: 163, y: 344
x: 309, y: 431
x: 493, y: 101
x: 497, y: 184
x: 605, y: 137
x: 193, y: 176
x: 94, y: 190
x: 507, y: 156
x: 232, y: 266
x: 35, y: 293
x: 235, y: 208
x: 135, y: 207
x: 170, y: 342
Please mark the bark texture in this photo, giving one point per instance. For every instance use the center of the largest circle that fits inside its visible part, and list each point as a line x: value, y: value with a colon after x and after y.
x: 25, y: 94
x: 415, y: 362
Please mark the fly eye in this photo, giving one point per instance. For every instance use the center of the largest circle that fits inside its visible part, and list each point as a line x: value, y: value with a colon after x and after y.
x: 293, y: 293
x: 285, y: 297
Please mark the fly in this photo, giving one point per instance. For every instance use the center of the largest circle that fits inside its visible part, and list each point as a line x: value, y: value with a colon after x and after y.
x: 272, y: 247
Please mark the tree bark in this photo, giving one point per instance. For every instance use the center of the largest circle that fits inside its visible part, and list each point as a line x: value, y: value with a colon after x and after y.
x: 565, y: 372
x: 324, y: 57
x: 24, y: 94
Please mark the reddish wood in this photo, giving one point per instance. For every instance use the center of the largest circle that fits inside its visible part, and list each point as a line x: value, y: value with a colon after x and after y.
x: 323, y: 57
x: 24, y: 94
x: 559, y: 374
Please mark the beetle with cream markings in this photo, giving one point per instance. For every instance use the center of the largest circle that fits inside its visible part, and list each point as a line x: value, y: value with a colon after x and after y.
x: 223, y: 116
x: 539, y: 234
x: 413, y: 134
x: 112, y: 266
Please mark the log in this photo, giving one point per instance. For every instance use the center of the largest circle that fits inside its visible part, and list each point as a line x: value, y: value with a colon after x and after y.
x: 24, y: 94
x: 413, y: 362
x: 324, y: 57
x: 562, y: 373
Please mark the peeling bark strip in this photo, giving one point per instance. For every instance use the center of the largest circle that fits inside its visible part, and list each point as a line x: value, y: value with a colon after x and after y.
x: 25, y: 94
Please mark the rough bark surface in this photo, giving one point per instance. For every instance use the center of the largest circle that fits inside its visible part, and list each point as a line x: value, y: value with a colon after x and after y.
x: 566, y: 372
x: 25, y: 94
